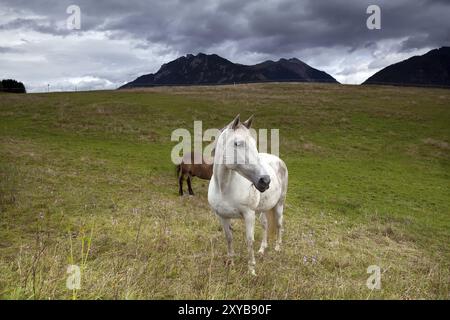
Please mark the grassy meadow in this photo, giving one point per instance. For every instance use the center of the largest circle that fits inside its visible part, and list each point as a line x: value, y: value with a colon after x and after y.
x: 86, y: 179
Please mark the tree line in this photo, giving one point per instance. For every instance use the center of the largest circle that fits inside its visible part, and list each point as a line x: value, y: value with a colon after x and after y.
x: 11, y: 85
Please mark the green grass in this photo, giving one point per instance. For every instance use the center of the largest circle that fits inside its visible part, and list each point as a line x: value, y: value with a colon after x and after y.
x: 369, y: 185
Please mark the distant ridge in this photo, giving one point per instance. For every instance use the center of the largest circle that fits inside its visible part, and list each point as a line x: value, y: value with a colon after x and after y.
x: 213, y: 69
x: 430, y: 69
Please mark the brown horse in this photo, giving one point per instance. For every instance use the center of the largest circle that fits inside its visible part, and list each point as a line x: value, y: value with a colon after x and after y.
x: 190, y: 169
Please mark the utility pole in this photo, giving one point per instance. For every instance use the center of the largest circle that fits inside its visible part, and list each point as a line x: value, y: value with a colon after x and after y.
x: 48, y: 87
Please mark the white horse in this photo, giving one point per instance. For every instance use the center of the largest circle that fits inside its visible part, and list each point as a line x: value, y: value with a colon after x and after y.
x: 245, y: 182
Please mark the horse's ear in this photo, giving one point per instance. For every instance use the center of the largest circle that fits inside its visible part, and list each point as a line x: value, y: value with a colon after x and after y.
x: 248, y: 122
x: 234, y: 124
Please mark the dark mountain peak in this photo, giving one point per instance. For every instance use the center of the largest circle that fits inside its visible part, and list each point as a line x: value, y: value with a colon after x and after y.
x: 430, y: 69
x: 203, y: 58
x: 198, y: 55
x: 295, y: 60
x: 213, y: 69
x: 265, y: 64
x: 443, y: 51
x: 202, y: 55
x: 290, y: 60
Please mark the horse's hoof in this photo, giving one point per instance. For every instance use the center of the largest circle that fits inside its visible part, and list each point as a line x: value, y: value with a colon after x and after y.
x: 252, y: 272
x: 278, y: 248
x: 261, y: 251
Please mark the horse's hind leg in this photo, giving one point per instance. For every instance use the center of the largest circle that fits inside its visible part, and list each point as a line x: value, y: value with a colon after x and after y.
x: 278, y: 210
x: 265, y: 225
x: 180, y: 184
x: 191, y: 192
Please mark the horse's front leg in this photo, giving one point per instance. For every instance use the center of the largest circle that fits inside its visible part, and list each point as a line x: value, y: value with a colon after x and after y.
x: 226, y: 225
x: 249, y: 218
x: 265, y: 225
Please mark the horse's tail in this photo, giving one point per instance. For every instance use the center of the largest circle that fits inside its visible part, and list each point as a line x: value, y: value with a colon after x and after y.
x: 272, y: 222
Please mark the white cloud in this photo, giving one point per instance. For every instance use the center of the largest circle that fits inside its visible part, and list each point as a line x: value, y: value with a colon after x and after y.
x: 68, y: 61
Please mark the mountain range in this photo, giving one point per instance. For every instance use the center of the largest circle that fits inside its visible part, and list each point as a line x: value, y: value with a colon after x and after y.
x: 430, y: 69
x: 213, y: 69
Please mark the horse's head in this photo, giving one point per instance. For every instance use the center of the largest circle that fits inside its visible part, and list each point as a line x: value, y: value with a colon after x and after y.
x: 238, y: 152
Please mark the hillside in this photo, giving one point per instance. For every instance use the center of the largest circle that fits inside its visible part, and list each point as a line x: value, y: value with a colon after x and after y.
x: 213, y: 69
x: 86, y: 179
x: 430, y: 69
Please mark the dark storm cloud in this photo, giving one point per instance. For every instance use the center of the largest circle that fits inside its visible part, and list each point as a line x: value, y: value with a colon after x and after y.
x: 324, y: 33
x: 40, y: 25
x: 270, y: 27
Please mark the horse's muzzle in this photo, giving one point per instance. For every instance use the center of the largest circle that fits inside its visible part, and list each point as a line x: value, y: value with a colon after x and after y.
x: 263, y: 183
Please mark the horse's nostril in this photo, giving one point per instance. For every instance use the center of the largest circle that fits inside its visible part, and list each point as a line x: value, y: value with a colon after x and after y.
x: 264, y: 180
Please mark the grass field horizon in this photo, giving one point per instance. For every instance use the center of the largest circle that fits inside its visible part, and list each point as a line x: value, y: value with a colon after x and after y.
x: 86, y: 179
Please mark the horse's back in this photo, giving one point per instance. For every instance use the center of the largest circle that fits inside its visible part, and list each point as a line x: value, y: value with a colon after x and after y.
x: 197, y: 165
x: 192, y: 158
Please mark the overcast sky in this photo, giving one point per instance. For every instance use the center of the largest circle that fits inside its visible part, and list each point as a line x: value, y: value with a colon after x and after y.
x: 122, y: 39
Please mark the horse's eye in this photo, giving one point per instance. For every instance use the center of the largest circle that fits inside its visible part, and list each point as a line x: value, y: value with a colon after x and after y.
x: 237, y: 143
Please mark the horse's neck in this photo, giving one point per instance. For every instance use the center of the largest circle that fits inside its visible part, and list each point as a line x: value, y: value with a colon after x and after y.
x: 222, y: 176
